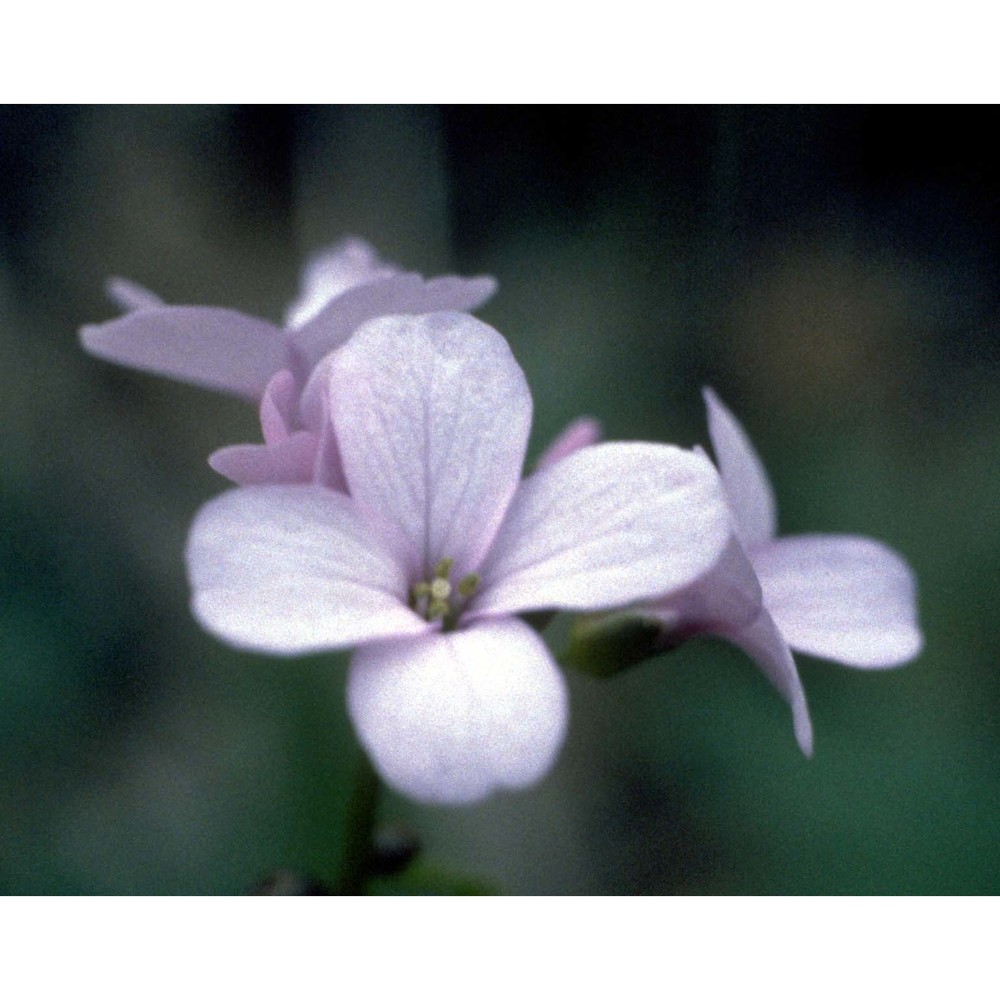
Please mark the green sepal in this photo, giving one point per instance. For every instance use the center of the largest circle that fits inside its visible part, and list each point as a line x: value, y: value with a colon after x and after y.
x: 605, y: 645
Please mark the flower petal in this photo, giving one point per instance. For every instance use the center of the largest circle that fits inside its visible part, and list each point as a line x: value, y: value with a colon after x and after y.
x: 579, y: 434
x: 841, y: 597
x: 278, y: 407
x: 328, y: 468
x: 292, y: 460
x: 130, y: 295
x: 747, y: 486
x: 766, y: 647
x: 217, y: 348
x: 331, y: 272
x: 294, y: 569
x: 728, y: 596
x: 401, y: 294
x: 432, y: 416
x: 314, y: 410
x: 607, y: 525
x: 451, y: 717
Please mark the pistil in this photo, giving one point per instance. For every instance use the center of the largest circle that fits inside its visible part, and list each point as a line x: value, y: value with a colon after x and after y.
x: 436, y: 599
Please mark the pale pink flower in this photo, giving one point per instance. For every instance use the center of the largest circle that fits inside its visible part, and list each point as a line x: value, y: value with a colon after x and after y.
x: 581, y: 433
x: 436, y: 547
x: 839, y: 597
x: 223, y: 349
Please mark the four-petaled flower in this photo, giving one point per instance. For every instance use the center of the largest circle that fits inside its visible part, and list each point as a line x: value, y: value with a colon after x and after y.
x: 224, y: 349
x: 840, y: 597
x: 435, y: 546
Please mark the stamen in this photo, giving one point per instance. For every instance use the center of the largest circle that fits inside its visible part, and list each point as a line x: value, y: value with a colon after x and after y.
x: 437, y: 609
x: 433, y: 599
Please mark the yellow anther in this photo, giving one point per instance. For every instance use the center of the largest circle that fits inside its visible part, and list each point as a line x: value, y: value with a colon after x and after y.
x: 432, y: 599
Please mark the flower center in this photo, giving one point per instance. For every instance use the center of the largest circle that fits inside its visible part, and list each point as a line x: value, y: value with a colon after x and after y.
x: 436, y: 599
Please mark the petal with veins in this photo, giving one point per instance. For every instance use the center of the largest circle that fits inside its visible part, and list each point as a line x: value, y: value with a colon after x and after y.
x: 216, y: 348
x: 743, y: 475
x: 432, y: 416
x: 841, y: 597
x: 607, y: 525
x: 401, y: 294
x: 294, y: 569
x: 450, y: 718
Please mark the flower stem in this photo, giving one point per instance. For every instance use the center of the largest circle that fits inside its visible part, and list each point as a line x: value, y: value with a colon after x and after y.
x: 361, y: 813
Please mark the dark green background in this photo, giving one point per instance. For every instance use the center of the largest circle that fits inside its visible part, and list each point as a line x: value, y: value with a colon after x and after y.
x: 832, y: 272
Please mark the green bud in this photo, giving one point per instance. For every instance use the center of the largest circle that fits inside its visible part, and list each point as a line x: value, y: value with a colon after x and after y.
x: 605, y: 645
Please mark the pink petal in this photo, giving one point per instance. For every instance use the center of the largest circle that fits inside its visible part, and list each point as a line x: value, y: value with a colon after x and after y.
x: 728, y: 596
x: 294, y: 569
x: 401, y: 294
x: 766, y: 647
x: 279, y: 407
x: 314, y: 402
x: 290, y: 461
x: 328, y: 467
x: 841, y: 597
x: 579, y: 434
x: 607, y: 525
x: 216, y: 348
x: 331, y: 272
x: 450, y: 718
x: 747, y: 486
x: 130, y: 295
x: 314, y: 410
x: 432, y: 416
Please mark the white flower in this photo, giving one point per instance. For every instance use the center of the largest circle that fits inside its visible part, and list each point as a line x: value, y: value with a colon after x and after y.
x: 435, y: 547
x: 342, y: 288
x: 841, y: 597
x: 224, y: 349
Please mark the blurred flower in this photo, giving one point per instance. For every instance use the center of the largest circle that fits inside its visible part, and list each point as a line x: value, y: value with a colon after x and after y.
x: 840, y: 597
x: 579, y: 434
x: 223, y: 349
x: 438, y: 545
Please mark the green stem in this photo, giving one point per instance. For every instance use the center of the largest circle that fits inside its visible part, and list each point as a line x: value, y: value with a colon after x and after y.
x: 361, y: 814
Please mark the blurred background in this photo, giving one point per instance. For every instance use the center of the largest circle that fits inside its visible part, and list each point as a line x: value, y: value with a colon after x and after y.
x: 832, y: 272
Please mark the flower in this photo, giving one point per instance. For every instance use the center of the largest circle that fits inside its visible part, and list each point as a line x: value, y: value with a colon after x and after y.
x: 223, y: 349
x: 579, y: 434
x: 839, y: 597
x: 437, y: 545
